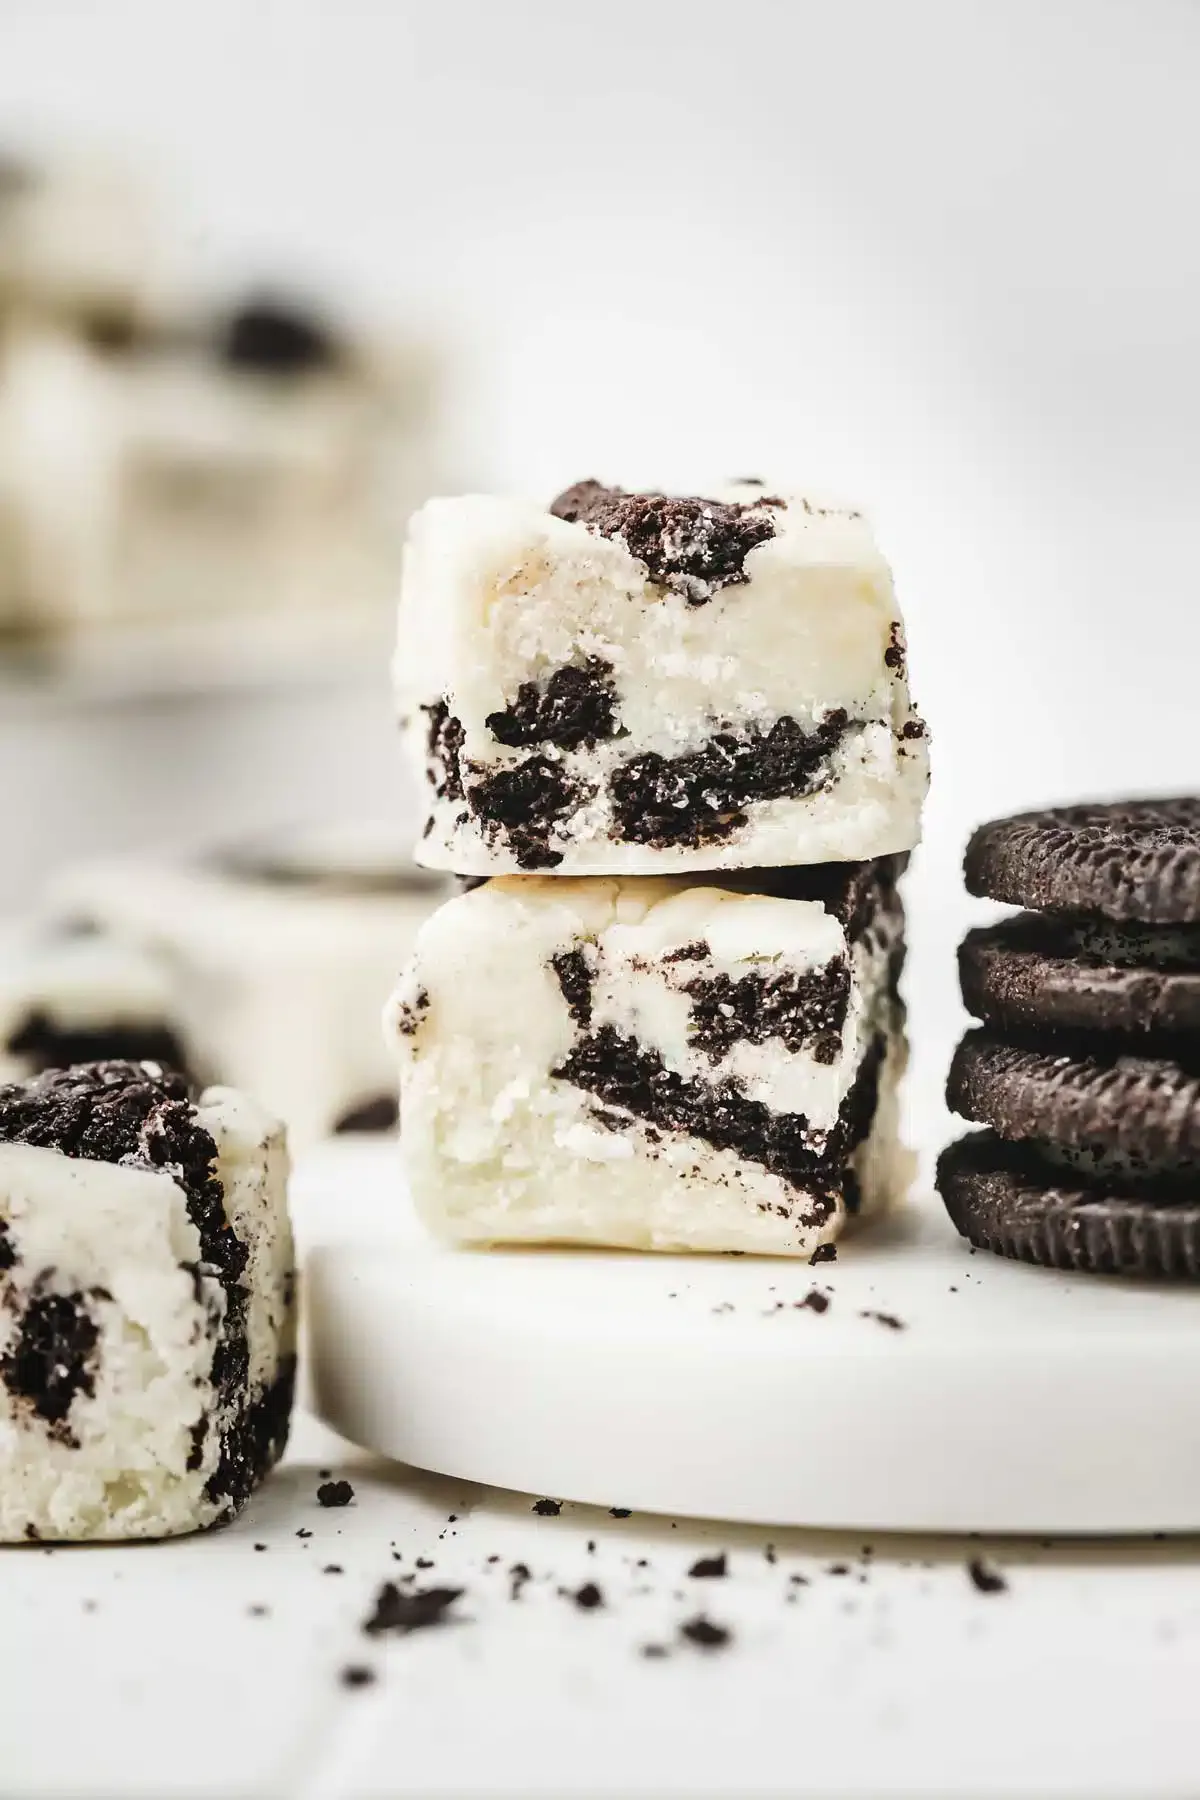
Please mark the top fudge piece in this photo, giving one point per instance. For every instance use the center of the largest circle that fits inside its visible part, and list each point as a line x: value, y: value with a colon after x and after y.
x: 629, y: 683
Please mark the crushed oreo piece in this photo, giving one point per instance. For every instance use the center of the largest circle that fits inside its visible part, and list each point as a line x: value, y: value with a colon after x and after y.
x: 335, y: 1493
x: 400, y: 1611
x: 8, y: 1255
x: 443, y: 750
x: 575, y: 980
x: 703, y: 1632
x: 700, y: 797
x: 50, y: 1359
x: 620, y: 1512
x: 408, y: 1015
x: 815, y: 1301
x: 357, y: 1675
x: 575, y: 710
x: 708, y: 1567
x: 824, y: 1253
x: 800, y: 1008
x: 691, y: 546
x: 984, y: 1578
x: 518, y: 1575
x: 524, y: 803
x: 588, y: 1597
x: 883, y: 1318
x: 547, y: 1509
x: 633, y: 1079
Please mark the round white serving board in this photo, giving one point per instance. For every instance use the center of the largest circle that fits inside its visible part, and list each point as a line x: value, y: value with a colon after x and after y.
x: 1010, y: 1399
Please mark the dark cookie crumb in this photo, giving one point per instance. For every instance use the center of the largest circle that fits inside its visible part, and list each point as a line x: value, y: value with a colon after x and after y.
x: 703, y: 1632
x: 883, y: 1318
x: 443, y: 750
x: 357, y: 1675
x: 986, y: 1579
x: 694, y: 952
x: 575, y: 980
x: 815, y: 1301
x: 653, y: 1652
x: 8, y: 1254
x: 824, y: 1253
x: 303, y: 1532
x: 894, y: 656
x: 403, y: 1612
x: 588, y: 1597
x: 335, y: 1493
x: 691, y: 546
x: 333, y: 1569
x: 519, y: 1574
x: 708, y: 1566
x: 424, y: 1562
x: 547, y: 1509
x: 408, y: 1016
x: 574, y: 711
x: 620, y: 1512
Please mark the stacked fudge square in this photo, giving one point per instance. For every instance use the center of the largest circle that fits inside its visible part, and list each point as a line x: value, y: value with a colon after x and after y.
x: 670, y: 743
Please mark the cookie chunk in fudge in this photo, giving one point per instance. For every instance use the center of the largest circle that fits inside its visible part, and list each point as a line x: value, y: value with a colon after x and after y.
x: 654, y: 1063
x: 146, y: 1304
x: 637, y: 683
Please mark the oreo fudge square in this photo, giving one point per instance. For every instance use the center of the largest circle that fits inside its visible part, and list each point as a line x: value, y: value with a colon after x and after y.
x: 654, y: 1063
x: 282, y: 950
x: 1085, y: 1069
x: 634, y: 683
x: 70, y: 994
x: 146, y: 1304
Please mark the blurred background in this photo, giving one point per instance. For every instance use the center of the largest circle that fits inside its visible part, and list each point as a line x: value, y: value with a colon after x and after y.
x: 941, y: 258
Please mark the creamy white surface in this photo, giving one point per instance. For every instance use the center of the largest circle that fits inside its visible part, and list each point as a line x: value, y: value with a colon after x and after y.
x: 498, y: 591
x: 498, y: 1149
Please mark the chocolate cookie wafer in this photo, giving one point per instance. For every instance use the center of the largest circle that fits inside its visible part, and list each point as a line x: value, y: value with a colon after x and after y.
x: 1087, y: 1069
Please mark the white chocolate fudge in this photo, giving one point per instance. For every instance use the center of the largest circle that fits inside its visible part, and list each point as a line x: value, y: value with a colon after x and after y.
x: 283, y: 952
x: 81, y: 240
x: 633, y: 683
x: 147, y: 1344
x: 654, y: 1063
x: 70, y: 996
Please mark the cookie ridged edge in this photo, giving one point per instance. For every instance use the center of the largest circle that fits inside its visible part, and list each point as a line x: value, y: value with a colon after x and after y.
x: 1074, y: 859
x: 997, y: 1203
x: 1015, y: 984
x: 1146, y: 1108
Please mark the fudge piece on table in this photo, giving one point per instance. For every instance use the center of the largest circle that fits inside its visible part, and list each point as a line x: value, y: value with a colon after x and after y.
x: 70, y: 996
x: 283, y: 950
x: 629, y: 683
x: 146, y: 1303
x: 655, y: 1063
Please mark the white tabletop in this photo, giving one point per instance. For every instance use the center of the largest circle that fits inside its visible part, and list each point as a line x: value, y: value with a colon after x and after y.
x: 149, y: 1672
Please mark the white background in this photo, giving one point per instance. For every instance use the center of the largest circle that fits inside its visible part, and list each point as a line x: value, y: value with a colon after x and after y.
x: 941, y: 257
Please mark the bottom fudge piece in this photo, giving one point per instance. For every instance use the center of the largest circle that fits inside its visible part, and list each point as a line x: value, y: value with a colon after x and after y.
x: 146, y: 1303
x: 656, y: 1064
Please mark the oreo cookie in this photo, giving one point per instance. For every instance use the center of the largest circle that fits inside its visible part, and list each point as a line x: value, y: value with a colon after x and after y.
x: 1131, y: 859
x: 1004, y: 1197
x: 1082, y: 975
x: 1086, y: 1071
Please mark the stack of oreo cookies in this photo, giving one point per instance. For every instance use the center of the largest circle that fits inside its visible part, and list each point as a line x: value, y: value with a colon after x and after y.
x: 1085, y: 1071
